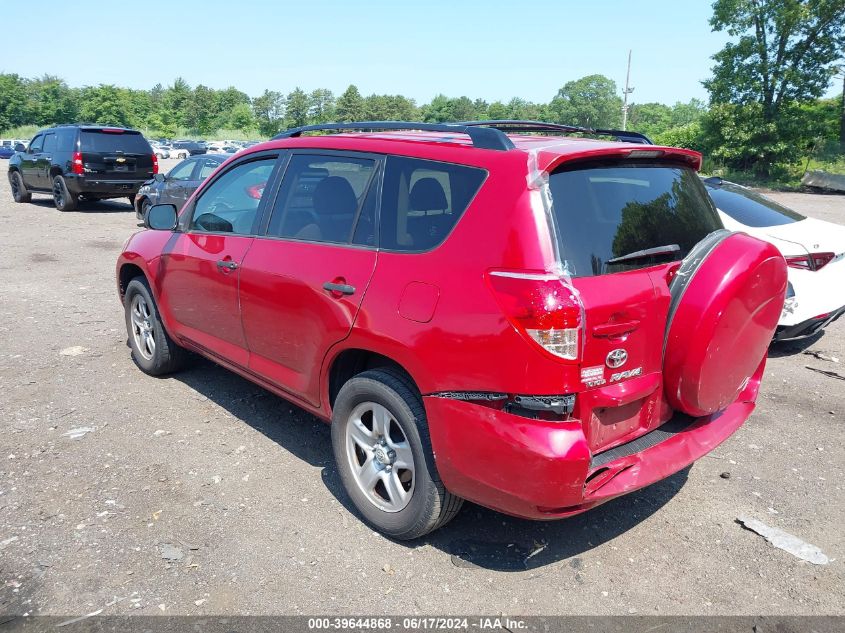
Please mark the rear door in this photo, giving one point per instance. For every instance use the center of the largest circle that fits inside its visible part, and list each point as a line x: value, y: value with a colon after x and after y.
x: 115, y: 154
x: 621, y: 227
x: 303, y: 280
x: 45, y: 161
x: 201, y: 269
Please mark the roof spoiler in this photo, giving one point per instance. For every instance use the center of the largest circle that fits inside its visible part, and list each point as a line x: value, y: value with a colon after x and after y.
x: 481, y: 137
x: 513, y: 125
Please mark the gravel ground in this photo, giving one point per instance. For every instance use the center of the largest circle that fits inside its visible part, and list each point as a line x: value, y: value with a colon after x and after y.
x: 201, y: 493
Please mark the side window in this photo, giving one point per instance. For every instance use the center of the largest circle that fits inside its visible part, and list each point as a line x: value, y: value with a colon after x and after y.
x: 66, y: 139
x: 206, y: 168
x: 49, y: 143
x: 230, y: 203
x: 422, y: 201
x: 320, y: 197
x: 36, y: 144
x: 182, y: 171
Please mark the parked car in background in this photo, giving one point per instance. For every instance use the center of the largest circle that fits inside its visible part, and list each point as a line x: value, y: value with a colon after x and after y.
x: 192, y: 147
x: 161, y: 151
x: 523, y: 321
x: 6, y: 151
x: 82, y: 162
x: 814, y: 251
x: 177, y: 185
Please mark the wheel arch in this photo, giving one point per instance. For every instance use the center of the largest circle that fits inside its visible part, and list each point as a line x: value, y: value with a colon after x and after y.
x: 352, y: 361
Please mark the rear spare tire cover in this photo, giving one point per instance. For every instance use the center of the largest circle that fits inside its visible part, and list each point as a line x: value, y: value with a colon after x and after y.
x: 727, y: 298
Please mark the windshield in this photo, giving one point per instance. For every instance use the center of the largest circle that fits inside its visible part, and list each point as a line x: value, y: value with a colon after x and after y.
x: 609, y: 211
x: 126, y: 142
x: 749, y: 207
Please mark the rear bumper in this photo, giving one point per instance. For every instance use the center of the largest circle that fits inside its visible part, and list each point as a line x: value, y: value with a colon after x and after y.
x: 545, y: 470
x: 807, y: 328
x: 111, y: 188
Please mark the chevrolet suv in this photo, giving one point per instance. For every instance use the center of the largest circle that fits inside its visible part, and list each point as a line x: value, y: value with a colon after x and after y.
x: 82, y: 162
x: 493, y: 311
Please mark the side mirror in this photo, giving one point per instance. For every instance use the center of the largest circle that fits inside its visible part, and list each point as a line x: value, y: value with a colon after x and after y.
x: 159, y: 177
x: 20, y: 147
x: 161, y: 217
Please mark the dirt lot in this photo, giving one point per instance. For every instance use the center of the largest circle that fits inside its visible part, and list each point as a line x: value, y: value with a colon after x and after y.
x: 201, y: 493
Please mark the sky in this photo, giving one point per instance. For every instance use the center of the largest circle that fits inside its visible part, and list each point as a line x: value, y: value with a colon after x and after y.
x: 491, y: 50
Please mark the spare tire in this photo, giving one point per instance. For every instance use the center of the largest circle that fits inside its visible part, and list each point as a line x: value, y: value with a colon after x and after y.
x: 727, y: 297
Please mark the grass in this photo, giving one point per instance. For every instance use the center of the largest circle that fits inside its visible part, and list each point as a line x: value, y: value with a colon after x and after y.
x: 21, y: 132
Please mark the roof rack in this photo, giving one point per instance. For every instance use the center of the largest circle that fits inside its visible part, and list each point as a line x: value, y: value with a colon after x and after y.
x: 512, y: 125
x: 481, y: 137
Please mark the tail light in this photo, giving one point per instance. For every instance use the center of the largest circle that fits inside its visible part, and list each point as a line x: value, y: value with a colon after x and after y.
x: 155, y: 164
x: 542, y: 308
x: 813, y: 261
x: 77, y: 167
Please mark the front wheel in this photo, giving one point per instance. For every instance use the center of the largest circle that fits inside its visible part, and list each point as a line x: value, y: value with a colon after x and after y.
x: 383, y: 453
x: 19, y: 191
x: 152, y: 348
x: 62, y: 197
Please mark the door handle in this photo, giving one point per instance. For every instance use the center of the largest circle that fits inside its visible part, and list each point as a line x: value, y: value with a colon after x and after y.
x: 225, y: 264
x: 334, y: 288
x: 612, y: 330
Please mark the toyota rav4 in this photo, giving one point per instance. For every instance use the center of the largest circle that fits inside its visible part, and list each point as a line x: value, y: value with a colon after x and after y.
x: 493, y: 311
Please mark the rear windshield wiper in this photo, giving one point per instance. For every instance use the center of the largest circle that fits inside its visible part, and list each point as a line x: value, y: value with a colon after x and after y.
x: 657, y: 250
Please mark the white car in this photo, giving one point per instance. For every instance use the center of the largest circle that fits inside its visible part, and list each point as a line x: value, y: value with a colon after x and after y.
x: 814, y: 251
x: 161, y: 151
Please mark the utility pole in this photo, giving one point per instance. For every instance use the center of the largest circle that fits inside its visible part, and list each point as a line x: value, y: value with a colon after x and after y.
x: 628, y: 90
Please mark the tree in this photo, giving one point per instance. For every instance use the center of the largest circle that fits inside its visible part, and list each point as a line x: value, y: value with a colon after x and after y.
x: 591, y: 101
x: 322, y: 106
x: 13, y: 101
x: 241, y: 118
x: 786, y: 50
x: 107, y: 105
x: 202, y: 110
x: 269, y: 111
x: 350, y: 105
x: 297, y: 108
x: 784, y: 55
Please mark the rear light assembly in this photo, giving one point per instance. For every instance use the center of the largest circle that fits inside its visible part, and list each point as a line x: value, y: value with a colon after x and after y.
x: 542, y: 308
x: 813, y: 261
x: 76, y: 164
x: 155, y: 164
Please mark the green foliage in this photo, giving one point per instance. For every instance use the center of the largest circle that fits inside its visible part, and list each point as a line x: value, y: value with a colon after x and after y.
x: 350, y: 105
x: 690, y: 136
x: 591, y: 101
x: 269, y: 111
x: 297, y: 106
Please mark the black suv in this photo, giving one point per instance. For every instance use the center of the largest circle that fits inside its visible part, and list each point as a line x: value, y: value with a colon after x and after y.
x: 192, y: 147
x: 88, y: 162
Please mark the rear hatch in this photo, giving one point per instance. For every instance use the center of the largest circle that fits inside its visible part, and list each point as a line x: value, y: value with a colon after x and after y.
x: 116, y: 154
x: 621, y: 228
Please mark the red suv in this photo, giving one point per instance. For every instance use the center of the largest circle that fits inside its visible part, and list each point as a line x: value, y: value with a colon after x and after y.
x: 537, y: 323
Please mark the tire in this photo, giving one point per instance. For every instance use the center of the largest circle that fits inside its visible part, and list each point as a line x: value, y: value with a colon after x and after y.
x: 62, y: 197
x: 156, y: 354
x: 423, y: 504
x: 19, y: 191
x: 145, y: 206
x: 132, y: 200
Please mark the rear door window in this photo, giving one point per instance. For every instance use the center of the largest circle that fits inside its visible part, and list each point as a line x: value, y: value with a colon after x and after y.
x: 321, y: 197
x: 106, y: 142
x: 750, y: 208
x: 422, y: 201
x: 606, y: 215
x: 49, y: 143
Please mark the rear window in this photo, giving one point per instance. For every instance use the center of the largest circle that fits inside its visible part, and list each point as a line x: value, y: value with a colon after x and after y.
x: 613, y: 212
x: 750, y: 208
x: 105, y: 142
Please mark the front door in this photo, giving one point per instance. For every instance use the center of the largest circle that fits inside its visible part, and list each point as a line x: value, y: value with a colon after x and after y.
x: 199, y: 288
x: 303, y: 281
x: 175, y: 189
x: 29, y: 162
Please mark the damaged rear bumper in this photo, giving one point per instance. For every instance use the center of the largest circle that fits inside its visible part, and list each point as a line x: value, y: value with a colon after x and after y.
x: 545, y: 470
x: 807, y: 328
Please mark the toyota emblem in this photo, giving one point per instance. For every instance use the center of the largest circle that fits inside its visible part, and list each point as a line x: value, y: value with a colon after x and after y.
x: 617, y: 358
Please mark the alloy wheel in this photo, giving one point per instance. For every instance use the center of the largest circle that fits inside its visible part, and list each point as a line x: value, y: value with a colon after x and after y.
x: 142, y: 327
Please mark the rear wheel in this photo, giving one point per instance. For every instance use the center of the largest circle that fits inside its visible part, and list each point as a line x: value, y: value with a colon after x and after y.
x: 19, y: 191
x: 62, y: 197
x: 152, y: 348
x: 383, y: 453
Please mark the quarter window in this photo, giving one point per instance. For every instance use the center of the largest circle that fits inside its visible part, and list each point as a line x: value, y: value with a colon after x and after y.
x: 230, y: 203
x: 423, y: 200
x: 321, y: 197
